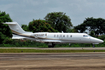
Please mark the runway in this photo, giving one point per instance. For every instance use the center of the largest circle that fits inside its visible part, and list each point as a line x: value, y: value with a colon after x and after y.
x: 52, y: 61
x: 57, y: 48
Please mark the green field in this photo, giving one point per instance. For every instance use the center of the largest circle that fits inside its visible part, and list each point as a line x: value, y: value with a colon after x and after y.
x: 45, y: 51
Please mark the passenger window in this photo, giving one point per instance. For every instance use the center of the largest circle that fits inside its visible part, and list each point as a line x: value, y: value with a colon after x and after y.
x: 45, y: 34
x: 54, y: 35
x: 57, y: 35
x: 70, y: 35
x: 63, y: 35
x: 67, y: 35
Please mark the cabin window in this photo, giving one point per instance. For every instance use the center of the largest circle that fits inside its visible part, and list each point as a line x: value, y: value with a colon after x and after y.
x: 63, y: 35
x: 45, y: 34
x: 54, y: 35
x: 70, y: 35
x: 57, y: 35
x: 85, y: 35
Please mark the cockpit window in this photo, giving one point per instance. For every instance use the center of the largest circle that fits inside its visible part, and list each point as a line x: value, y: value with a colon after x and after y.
x: 85, y: 35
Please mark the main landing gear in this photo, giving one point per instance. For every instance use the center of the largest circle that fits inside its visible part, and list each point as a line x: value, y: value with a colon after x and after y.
x: 51, y: 45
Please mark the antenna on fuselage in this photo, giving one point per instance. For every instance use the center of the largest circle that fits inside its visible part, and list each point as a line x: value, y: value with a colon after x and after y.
x: 62, y: 32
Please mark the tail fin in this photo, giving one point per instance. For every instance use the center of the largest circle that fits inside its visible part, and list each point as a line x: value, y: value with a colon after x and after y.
x: 15, y: 27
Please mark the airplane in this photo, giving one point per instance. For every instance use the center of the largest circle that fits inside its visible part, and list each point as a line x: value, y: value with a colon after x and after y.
x: 51, y: 38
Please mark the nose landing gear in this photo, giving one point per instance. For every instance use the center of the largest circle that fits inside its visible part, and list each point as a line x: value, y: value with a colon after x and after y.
x: 93, y: 46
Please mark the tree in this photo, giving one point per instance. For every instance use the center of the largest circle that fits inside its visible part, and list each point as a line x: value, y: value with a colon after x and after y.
x: 25, y: 27
x: 40, y: 26
x: 102, y: 37
x: 5, y: 31
x: 59, y: 21
x: 71, y: 30
x: 92, y: 33
x: 92, y: 25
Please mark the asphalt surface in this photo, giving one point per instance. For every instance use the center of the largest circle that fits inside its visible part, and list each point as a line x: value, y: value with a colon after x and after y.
x: 39, y: 56
x: 52, y: 61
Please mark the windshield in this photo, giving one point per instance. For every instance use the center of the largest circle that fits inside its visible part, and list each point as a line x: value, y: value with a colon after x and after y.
x: 85, y: 35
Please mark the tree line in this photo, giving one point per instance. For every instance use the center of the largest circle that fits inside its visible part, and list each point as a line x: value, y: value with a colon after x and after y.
x: 54, y: 22
x: 95, y: 26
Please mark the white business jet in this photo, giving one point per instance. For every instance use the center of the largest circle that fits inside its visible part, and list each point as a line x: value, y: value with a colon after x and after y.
x: 51, y: 38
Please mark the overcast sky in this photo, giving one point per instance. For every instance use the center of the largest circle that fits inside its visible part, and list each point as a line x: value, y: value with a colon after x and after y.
x: 24, y: 11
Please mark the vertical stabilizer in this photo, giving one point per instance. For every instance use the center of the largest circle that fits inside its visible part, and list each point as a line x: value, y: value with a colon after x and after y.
x: 15, y: 27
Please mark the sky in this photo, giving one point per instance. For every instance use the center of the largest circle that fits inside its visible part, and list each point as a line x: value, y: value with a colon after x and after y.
x: 24, y: 11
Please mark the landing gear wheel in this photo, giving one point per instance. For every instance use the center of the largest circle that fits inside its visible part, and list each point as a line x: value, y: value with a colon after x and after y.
x: 93, y: 46
x: 51, y: 46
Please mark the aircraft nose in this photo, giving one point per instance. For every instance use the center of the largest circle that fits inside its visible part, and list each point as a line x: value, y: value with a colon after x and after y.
x: 100, y: 41
x: 95, y: 40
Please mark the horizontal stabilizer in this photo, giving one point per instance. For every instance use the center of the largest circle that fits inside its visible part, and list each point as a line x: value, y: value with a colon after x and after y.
x: 11, y: 23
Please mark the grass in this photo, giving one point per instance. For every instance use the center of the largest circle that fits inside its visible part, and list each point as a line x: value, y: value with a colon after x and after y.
x: 45, y: 51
